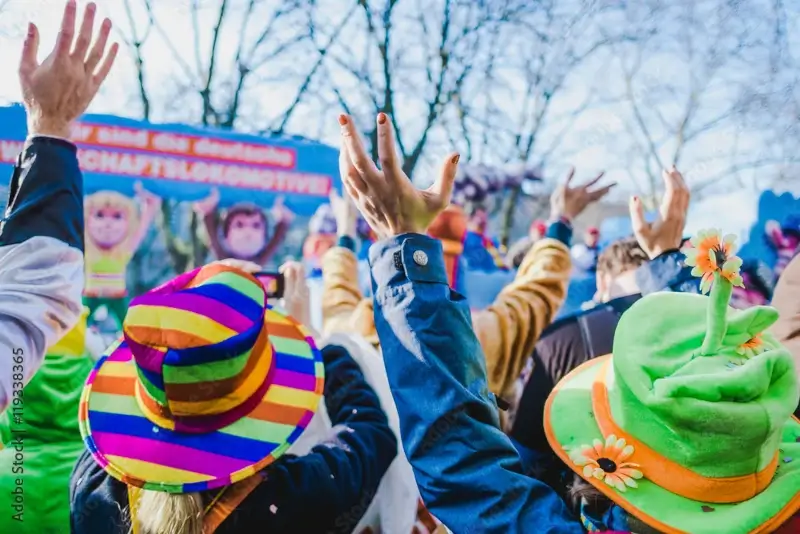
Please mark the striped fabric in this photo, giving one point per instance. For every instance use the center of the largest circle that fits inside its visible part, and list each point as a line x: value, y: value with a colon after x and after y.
x: 207, y: 386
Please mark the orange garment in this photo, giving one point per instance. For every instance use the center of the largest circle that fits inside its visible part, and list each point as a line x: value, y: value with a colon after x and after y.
x: 450, y: 227
x: 507, y: 330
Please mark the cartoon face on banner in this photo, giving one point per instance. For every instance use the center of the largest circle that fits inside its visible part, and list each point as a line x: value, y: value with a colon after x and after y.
x: 242, y: 231
x: 115, y: 228
x: 110, y: 219
x: 244, y: 228
x: 775, y: 237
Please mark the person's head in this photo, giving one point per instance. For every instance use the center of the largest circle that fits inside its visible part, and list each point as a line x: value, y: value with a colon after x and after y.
x: 323, y: 221
x: 194, y: 397
x: 478, y: 219
x: 687, y: 426
x: 245, y: 229
x: 592, y: 237
x: 110, y: 219
x: 537, y: 230
x: 616, y: 269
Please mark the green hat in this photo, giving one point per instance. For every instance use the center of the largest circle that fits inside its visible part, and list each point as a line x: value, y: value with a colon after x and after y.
x: 688, y: 425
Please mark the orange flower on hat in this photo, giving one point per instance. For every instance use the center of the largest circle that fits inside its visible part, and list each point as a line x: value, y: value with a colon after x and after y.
x: 607, y: 462
x: 752, y: 347
x: 709, y: 253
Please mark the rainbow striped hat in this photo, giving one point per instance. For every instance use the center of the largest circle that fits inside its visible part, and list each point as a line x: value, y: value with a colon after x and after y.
x: 207, y: 386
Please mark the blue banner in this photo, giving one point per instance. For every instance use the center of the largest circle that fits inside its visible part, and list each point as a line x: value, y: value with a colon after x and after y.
x: 186, y: 163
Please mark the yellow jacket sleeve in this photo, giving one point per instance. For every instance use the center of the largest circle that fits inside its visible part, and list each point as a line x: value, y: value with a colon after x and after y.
x: 511, y: 326
x: 344, y: 308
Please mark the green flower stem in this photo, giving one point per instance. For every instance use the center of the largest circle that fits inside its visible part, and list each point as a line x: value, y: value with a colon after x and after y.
x: 717, y: 323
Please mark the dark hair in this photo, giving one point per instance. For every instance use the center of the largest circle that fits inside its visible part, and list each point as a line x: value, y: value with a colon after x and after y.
x: 518, y: 251
x: 581, y: 491
x: 244, y: 208
x: 621, y: 256
x: 597, y: 505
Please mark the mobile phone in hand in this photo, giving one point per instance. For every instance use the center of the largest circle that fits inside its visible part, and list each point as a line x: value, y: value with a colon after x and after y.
x: 273, y: 283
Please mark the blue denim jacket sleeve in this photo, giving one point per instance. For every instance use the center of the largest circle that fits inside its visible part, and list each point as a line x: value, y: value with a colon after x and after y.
x: 468, y: 472
x: 667, y: 272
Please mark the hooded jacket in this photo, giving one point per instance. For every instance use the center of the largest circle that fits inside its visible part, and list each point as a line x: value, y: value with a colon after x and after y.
x: 41, y: 261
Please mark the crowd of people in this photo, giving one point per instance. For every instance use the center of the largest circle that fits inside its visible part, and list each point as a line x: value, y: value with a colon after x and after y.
x: 662, y: 409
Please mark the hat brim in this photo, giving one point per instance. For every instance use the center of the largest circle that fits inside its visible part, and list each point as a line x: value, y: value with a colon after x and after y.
x: 570, y: 423
x: 134, y: 450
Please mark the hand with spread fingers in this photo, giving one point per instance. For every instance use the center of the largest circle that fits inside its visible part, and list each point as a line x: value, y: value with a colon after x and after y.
x: 295, y: 293
x: 60, y: 89
x: 666, y: 233
x: 344, y: 211
x: 568, y: 202
x: 386, y: 197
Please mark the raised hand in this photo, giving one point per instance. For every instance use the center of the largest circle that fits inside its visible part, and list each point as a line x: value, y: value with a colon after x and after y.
x: 344, y: 210
x: 569, y: 202
x: 280, y: 212
x: 60, y: 89
x: 386, y: 197
x: 149, y: 199
x: 295, y: 293
x: 207, y: 205
x: 666, y: 233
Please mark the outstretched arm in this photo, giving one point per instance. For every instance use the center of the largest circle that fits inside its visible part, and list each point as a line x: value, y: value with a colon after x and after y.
x: 41, y: 259
x: 468, y: 471
x: 41, y: 236
x: 509, y: 328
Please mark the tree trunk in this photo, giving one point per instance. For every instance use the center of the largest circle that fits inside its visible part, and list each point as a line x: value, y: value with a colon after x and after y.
x: 508, y: 215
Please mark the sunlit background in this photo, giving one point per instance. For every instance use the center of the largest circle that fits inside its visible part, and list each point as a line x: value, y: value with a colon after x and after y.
x: 622, y: 86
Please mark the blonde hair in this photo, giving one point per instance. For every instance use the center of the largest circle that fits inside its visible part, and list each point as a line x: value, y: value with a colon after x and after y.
x: 158, y: 512
x: 111, y: 199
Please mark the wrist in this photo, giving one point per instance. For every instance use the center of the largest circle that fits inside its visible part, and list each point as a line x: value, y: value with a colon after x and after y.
x: 560, y: 217
x: 346, y: 230
x: 49, y: 127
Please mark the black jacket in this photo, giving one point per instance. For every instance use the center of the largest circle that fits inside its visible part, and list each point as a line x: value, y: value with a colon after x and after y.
x: 327, y: 490
x: 575, y: 339
x: 563, y: 346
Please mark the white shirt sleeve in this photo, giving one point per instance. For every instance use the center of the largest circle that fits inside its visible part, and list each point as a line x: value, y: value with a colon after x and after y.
x: 41, y: 281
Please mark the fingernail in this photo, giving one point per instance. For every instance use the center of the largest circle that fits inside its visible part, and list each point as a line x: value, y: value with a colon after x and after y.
x: 635, y: 198
x: 456, y: 158
x: 30, y: 28
x: 343, y: 119
x: 381, y: 118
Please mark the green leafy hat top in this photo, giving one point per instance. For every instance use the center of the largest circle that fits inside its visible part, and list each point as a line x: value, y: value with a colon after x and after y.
x: 691, y: 415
